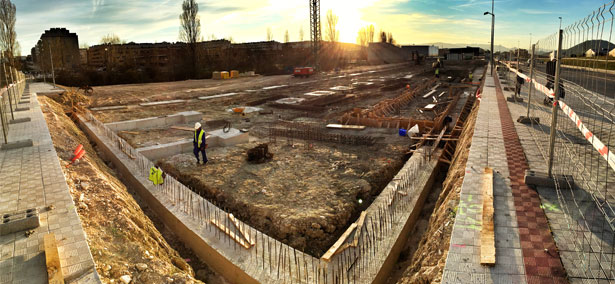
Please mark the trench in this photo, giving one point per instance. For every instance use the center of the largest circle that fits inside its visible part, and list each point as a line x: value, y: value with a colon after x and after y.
x: 202, y: 271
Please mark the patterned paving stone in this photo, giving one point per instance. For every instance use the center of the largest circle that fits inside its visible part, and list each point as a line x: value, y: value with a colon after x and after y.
x: 487, y: 150
x: 32, y: 177
x: 540, y: 254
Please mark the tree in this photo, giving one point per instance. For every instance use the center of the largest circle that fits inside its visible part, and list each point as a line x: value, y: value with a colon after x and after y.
x: 111, y: 39
x: 383, y: 36
x: 301, y: 34
x: 390, y: 38
x: 371, y: 32
x: 332, y: 34
x: 190, y: 22
x: 362, y: 37
x: 286, y: 37
x: 8, y: 36
x: 191, y: 30
x: 269, y: 34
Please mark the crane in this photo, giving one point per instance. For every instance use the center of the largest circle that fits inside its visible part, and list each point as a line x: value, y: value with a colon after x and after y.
x: 315, y: 32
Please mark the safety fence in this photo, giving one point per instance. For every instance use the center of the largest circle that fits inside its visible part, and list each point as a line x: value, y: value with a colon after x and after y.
x: 570, y: 86
x: 9, y: 99
x: 357, y: 257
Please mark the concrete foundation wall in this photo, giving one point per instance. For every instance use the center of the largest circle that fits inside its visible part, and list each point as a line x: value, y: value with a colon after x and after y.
x: 168, y: 213
x: 258, y: 264
x: 216, y: 138
x: 157, y: 122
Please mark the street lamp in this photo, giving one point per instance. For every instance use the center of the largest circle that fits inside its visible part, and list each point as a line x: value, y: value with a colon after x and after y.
x: 492, y: 27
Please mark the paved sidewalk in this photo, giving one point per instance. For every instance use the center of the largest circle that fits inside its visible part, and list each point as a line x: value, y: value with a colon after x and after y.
x: 587, y: 255
x: 487, y: 150
x: 32, y: 177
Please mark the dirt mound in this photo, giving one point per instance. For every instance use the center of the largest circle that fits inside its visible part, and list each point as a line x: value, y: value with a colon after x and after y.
x: 122, y: 239
x: 429, y: 259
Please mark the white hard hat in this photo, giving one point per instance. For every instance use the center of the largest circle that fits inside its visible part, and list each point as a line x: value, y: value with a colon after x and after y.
x: 197, y: 125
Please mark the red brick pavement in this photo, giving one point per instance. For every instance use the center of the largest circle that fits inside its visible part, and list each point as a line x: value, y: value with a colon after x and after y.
x: 535, y: 234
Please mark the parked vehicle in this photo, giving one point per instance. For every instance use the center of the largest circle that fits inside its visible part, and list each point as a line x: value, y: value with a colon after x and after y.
x: 303, y: 72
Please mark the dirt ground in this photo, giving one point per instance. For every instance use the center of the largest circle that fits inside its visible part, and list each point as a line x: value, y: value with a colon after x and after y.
x: 303, y: 197
x: 122, y: 239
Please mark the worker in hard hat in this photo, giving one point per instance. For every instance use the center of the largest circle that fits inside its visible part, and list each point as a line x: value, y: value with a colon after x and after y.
x: 437, y: 65
x: 199, y: 143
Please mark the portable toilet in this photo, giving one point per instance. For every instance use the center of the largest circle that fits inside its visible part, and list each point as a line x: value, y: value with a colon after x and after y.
x: 216, y: 75
x: 224, y: 75
x: 234, y: 74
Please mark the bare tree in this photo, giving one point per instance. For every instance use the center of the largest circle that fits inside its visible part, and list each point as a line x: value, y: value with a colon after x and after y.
x: 301, y: 34
x: 190, y: 22
x: 390, y: 38
x: 383, y: 36
x: 371, y: 32
x: 8, y: 36
x: 332, y: 34
x: 269, y: 34
x: 191, y: 29
x: 286, y: 37
x: 362, y: 37
x: 111, y: 39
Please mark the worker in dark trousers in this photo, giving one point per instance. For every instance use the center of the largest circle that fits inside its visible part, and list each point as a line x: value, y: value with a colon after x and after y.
x: 551, y: 69
x: 519, y: 83
x: 199, y: 143
x: 437, y: 65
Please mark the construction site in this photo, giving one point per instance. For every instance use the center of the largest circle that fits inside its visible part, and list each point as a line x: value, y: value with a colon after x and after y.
x: 322, y: 179
x: 306, y: 162
x: 332, y: 143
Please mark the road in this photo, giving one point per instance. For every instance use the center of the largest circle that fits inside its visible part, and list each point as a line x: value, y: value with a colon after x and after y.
x: 594, y: 81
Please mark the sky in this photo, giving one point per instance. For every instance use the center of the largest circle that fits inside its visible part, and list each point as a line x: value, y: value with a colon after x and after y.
x: 410, y: 21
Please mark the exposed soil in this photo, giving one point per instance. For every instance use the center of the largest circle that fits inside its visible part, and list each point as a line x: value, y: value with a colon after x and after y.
x: 122, y: 239
x: 303, y: 197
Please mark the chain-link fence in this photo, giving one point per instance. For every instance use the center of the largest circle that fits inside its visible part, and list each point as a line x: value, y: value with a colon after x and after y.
x: 570, y: 84
x: 13, y: 86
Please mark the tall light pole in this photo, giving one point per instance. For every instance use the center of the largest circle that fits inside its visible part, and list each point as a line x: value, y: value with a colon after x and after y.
x: 492, y: 30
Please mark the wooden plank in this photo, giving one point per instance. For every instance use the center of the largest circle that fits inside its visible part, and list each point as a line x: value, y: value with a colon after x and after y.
x: 52, y: 259
x: 183, y: 128
x: 357, y: 233
x: 232, y: 235
x: 245, y: 235
x: 130, y: 132
x: 435, y: 144
x: 428, y: 94
x: 331, y: 252
x: 487, y: 232
x: 346, y: 127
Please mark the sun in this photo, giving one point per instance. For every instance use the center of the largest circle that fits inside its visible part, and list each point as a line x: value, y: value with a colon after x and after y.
x: 350, y: 15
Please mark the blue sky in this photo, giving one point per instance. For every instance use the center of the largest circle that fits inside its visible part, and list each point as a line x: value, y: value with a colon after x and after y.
x: 410, y: 21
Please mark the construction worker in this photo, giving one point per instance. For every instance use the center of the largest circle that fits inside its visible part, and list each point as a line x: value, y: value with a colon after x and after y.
x: 437, y: 65
x: 199, y: 143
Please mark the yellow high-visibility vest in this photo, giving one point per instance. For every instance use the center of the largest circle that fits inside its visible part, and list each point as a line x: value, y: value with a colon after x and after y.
x: 155, y: 176
x: 200, y: 138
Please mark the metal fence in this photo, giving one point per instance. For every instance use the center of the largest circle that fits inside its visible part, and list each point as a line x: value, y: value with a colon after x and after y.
x: 10, y: 95
x: 571, y: 85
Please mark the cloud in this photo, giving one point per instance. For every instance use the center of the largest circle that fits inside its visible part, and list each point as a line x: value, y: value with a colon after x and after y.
x: 538, y: 12
x: 96, y: 4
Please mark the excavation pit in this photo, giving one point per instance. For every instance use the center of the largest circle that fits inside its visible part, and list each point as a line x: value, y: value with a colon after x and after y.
x: 305, y: 196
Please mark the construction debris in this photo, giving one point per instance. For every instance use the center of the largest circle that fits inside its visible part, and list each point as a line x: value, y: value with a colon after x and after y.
x: 259, y: 154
